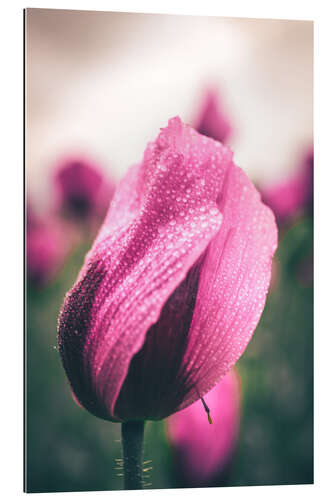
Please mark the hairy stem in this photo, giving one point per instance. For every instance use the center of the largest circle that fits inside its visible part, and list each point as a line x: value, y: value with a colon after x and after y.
x: 132, y: 440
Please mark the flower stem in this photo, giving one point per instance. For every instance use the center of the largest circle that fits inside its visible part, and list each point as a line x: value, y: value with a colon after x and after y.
x: 132, y: 440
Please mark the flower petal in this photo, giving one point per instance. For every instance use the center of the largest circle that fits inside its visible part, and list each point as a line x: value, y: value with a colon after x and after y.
x: 149, y: 387
x: 161, y: 220
x: 234, y: 280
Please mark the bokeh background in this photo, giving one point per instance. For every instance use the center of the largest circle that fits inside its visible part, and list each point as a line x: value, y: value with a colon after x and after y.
x: 99, y: 85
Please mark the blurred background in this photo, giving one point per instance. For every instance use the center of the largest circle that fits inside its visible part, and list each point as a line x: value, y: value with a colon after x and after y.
x: 99, y: 85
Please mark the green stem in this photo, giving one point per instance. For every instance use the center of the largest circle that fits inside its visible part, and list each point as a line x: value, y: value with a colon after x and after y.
x: 132, y: 440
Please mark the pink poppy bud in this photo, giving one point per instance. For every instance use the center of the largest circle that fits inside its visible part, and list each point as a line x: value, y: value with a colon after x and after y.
x: 211, y: 121
x: 294, y: 195
x: 174, y: 285
x: 201, y: 451
x: 46, y: 247
x: 81, y: 188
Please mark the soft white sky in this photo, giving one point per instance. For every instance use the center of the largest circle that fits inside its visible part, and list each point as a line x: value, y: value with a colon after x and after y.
x: 103, y: 83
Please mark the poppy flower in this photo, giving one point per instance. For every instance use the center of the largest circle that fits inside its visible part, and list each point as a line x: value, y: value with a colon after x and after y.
x: 211, y: 121
x: 174, y: 284
x: 46, y: 247
x: 82, y: 190
x: 293, y: 195
x: 203, y: 451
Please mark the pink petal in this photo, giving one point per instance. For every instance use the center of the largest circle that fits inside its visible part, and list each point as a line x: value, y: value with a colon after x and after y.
x: 234, y: 281
x: 161, y: 220
x: 149, y: 387
x: 202, y: 450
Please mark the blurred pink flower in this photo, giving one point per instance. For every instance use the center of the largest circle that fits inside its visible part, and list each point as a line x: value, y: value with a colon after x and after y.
x: 295, y: 194
x: 174, y: 285
x: 82, y: 190
x: 202, y: 450
x: 211, y: 121
x: 46, y: 247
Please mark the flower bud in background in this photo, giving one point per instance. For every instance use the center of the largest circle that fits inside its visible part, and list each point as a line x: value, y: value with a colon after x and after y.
x: 83, y: 193
x: 174, y: 285
x: 294, y: 195
x: 46, y: 247
x: 211, y: 120
x: 202, y: 451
